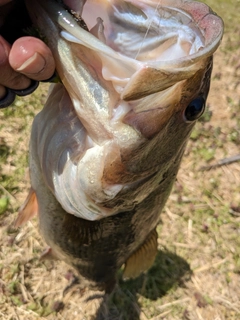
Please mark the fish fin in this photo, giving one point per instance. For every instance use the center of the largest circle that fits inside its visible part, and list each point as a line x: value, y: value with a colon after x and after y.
x: 28, y: 210
x: 48, y: 254
x: 143, y: 258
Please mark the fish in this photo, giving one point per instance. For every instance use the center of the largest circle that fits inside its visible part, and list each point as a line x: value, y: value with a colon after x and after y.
x: 106, y: 147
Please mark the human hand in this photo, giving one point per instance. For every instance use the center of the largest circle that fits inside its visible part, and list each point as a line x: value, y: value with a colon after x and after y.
x: 26, y: 60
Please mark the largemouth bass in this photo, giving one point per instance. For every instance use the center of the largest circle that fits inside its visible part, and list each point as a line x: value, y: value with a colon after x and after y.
x: 106, y: 148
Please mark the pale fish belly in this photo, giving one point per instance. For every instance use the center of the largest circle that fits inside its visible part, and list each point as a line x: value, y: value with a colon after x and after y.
x: 106, y: 148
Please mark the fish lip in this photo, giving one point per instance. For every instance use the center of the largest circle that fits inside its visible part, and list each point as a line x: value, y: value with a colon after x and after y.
x: 75, y: 11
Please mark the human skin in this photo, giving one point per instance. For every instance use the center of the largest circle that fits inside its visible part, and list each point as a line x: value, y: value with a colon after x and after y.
x: 27, y: 58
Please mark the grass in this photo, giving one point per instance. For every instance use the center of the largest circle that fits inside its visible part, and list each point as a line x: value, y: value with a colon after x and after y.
x: 197, y: 271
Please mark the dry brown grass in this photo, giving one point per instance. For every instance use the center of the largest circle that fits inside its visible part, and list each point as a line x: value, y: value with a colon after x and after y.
x: 197, y: 271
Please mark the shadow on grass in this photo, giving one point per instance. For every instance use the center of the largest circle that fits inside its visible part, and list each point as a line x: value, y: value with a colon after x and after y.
x: 168, y: 272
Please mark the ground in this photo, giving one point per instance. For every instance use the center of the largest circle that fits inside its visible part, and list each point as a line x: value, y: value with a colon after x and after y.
x: 196, y: 275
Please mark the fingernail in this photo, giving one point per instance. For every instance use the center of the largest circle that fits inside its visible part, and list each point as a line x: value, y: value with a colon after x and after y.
x: 33, y: 65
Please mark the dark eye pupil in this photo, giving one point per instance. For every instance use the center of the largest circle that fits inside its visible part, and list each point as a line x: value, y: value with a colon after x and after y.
x: 195, y: 109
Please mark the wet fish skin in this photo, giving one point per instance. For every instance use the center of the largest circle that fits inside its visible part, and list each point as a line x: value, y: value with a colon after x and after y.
x: 97, y: 249
x: 132, y: 178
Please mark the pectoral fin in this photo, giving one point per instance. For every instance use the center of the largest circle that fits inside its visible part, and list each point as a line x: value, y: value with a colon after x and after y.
x: 142, y: 259
x: 28, y: 210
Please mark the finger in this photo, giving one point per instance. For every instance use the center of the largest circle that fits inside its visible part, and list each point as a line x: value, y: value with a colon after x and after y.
x: 9, y: 77
x: 31, y: 57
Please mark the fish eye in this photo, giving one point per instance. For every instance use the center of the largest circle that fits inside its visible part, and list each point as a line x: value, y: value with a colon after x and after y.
x: 195, y: 109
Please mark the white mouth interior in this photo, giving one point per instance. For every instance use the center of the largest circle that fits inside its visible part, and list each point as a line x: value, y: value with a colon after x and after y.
x: 147, y: 33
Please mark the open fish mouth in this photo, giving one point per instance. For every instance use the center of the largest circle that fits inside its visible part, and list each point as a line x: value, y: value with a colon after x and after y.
x: 135, y: 80
x: 130, y: 36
